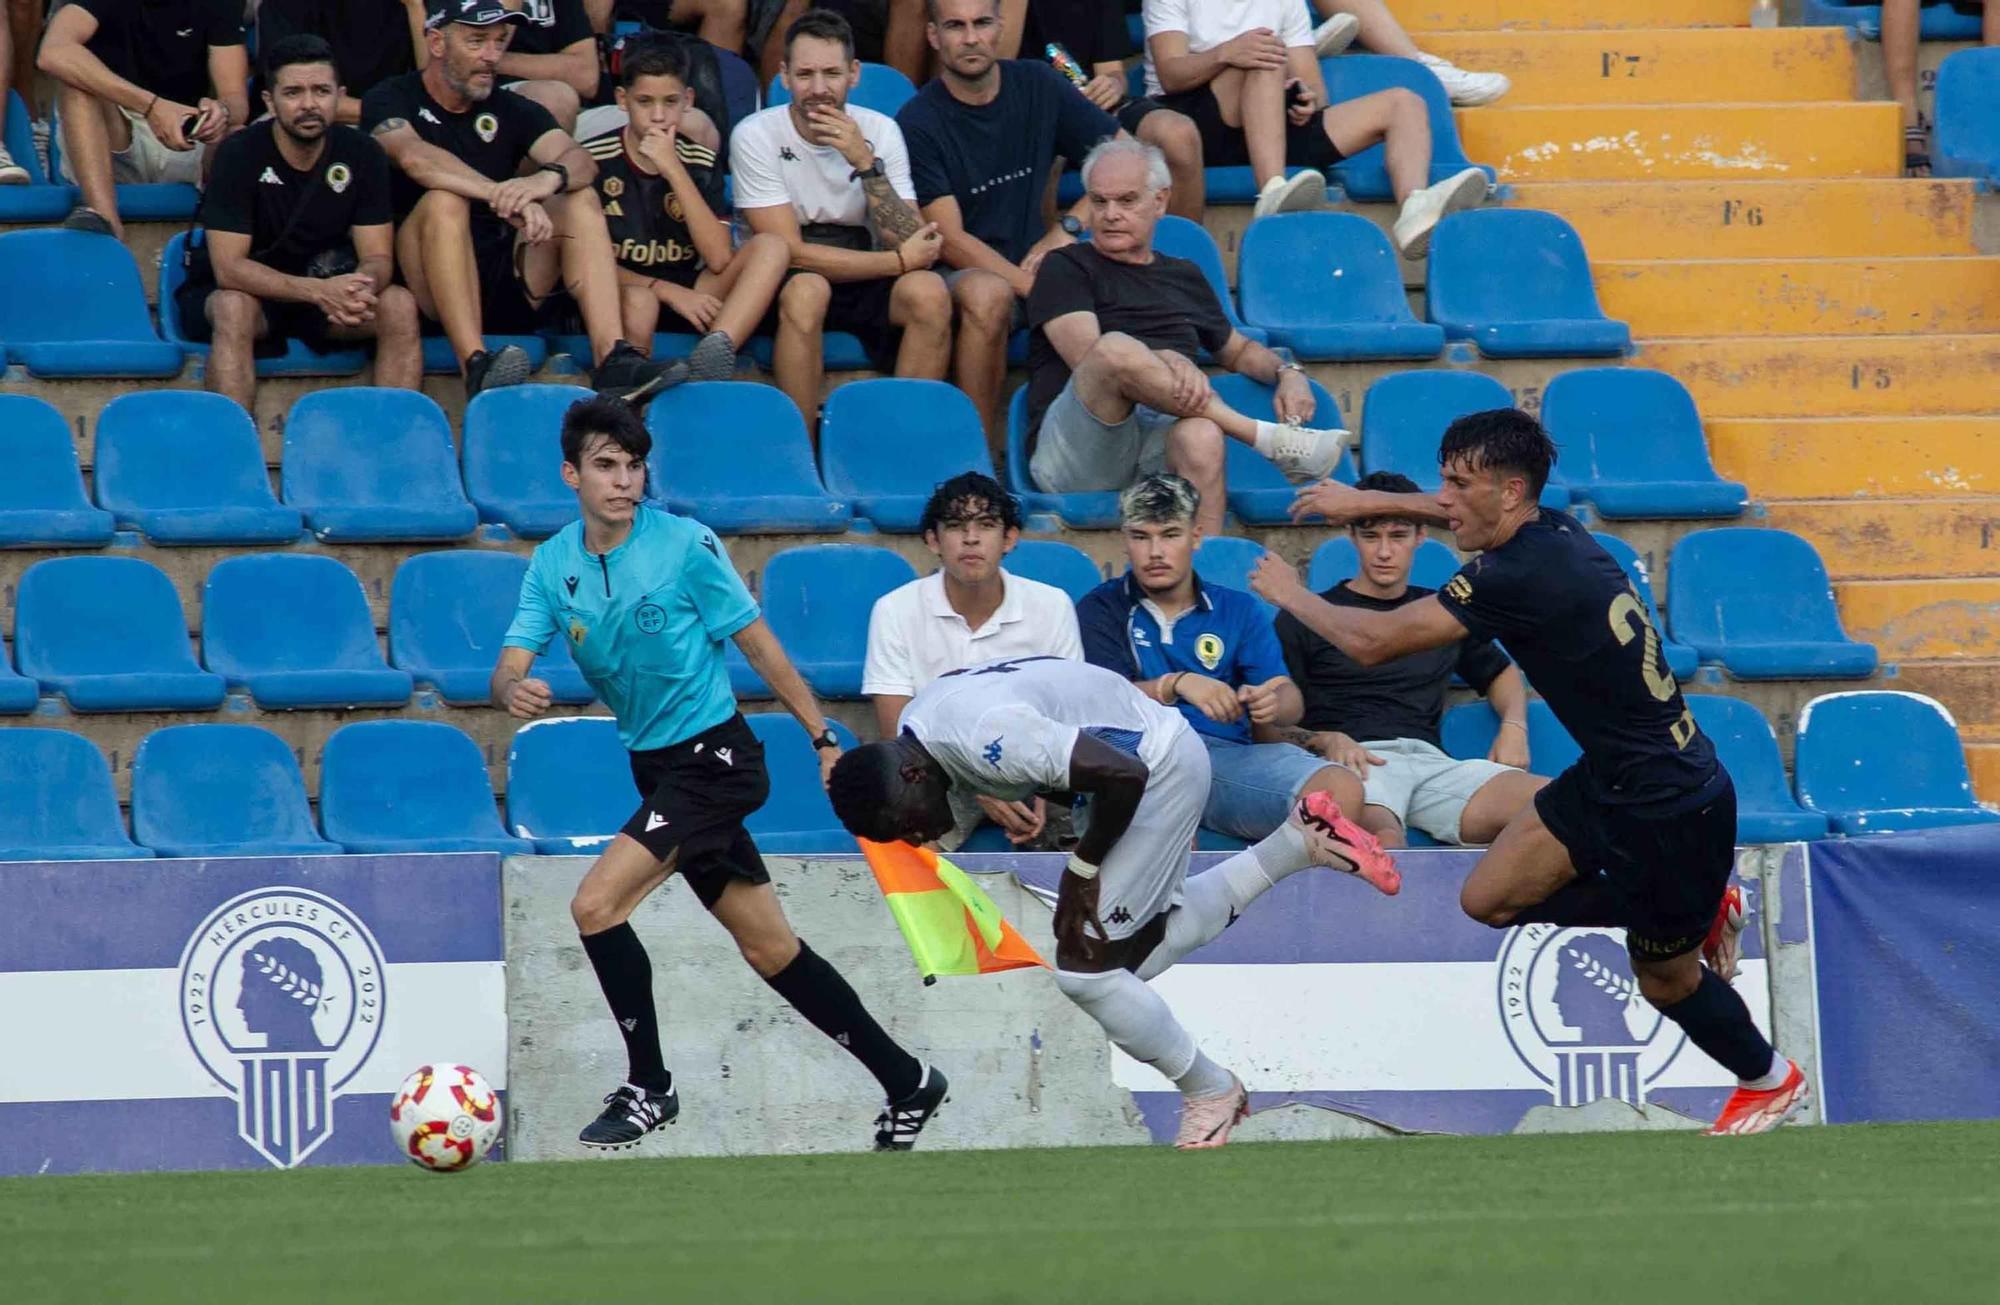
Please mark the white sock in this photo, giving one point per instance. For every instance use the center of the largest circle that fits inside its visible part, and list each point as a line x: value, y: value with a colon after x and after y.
x: 1773, y: 1079
x: 1140, y: 1024
x: 1267, y: 435
x: 1205, y: 1078
x: 1214, y: 898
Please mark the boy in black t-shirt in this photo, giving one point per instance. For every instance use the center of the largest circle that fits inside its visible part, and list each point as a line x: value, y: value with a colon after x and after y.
x: 287, y: 198
x: 497, y: 212
x: 661, y: 193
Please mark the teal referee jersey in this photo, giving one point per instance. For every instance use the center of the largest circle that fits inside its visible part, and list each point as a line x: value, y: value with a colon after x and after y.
x: 645, y: 622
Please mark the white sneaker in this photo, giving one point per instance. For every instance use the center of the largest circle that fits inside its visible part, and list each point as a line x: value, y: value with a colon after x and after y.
x: 1335, y: 35
x: 1302, y: 191
x: 11, y: 173
x: 1425, y: 208
x: 1302, y: 452
x: 1466, y: 88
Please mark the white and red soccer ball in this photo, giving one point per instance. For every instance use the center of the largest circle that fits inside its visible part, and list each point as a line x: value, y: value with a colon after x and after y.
x: 445, y: 1117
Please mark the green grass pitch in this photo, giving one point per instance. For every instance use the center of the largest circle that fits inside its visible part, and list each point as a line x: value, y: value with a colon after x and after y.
x: 1902, y: 1215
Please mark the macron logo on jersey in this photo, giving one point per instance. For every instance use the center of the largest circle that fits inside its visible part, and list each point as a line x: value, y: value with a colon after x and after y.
x: 271, y: 178
x: 992, y: 753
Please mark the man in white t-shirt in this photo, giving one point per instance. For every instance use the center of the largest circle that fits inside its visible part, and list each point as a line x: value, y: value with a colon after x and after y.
x: 970, y: 610
x: 834, y: 182
x: 1246, y: 73
x: 1126, y: 909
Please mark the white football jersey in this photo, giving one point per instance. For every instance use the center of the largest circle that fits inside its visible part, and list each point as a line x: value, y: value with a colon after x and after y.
x: 1007, y: 728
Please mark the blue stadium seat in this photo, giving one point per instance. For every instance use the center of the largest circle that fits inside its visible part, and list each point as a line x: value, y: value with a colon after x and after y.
x: 447, y: 614
x: 513, y: 457
x: 569, y: 784
x: 667, y: 345
x: 39, y: 200
x: 1181, y: 238
x: 1632, y: 445
x: 1681, y: 659
x: 1336, y: 560
x: 1468, y: 729
x: 75, y: 307
x: 186, y: 467
x: 1257, y: 491
x: 367, y: 463
x: 1053, y: 562
x: 109, y: 634
x: 884, y: 445
x: 1968, y: 116
x: 298, y: 359
x: 880, y: 87
x: 409, y: 786
x: 1918, y: 781
x: 41, y: 495
x: 797, y: 819
x: 221, y: 790
x: 700, y: 431
x: 1405, y: 414
x: 816, y: 598
x: 1758, y: 601
x: 1224, y: 560
x: 1766, y: 811
x: 439, y: 360
x: 57, y: 804
x: 1365, y: 176
x: 1091, y: 510
x: 148, y: 201
x: 1937, y: 20
x: 18, y: 693
x: 294, y: 630
x: 1330, y: 286
x: 1517, y: 283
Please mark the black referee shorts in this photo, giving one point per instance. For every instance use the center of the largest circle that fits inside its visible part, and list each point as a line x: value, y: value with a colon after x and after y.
x: 698, y: 793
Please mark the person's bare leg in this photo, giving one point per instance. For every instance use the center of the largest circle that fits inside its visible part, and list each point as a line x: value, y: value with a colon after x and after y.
x: 639, y: 311
x: 1525, y: 867
x: 1194, y: 453
x: 235, y: 321
x: 399, y: 352
x: 747, y: 286
x: 1120, y: 371
x: 797, y: 355
x: 1380, y: 31
x: 89, y: 137
x: 920, y: 304
x: 1382, y: 822
x: 903, y: 45
x: 722, y: 23
x: 588, y: 266
x: 756, y: 922
x: 559, y: 98
x: 985, y: 316
x: 1343, y: 786
x: 1175, y: 136
x: 1899, y: 55
x: 1254, y: 101
x: 1398, y: 120
x: 434, y: 249
x: 1497, y: 801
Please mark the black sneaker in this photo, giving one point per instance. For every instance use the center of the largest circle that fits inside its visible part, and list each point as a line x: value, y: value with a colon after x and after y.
x: 713, y: 359
x: 87, y: 219
x: 896, y: 1128
x: 630, y: 375
x: 507, y: 365
x: 630, y: 1112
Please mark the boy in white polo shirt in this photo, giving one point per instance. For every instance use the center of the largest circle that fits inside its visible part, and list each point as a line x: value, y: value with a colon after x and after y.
x: 968, y: 612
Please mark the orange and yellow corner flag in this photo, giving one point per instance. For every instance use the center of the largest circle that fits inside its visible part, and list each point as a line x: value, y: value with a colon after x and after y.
x: 950, y: 923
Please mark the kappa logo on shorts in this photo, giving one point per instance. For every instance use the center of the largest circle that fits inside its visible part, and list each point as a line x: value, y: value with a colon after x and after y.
x: 1572, y: 1010
x: 992, y: 752
x: 654, y: 820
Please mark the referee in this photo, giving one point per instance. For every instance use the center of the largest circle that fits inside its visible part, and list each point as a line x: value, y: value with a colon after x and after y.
x: 645, y: 600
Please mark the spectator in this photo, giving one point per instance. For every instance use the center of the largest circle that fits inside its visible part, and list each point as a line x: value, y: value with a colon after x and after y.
x: 1375, y: 27
x: 1246, y: 73
x: 497, y: 211
x: 1113, y: 388
x: 1094, y: 35
x: 724, y: 24
x: 1901, y: 21
x: 298, y: 236
x: 147, y: 87
x: 968, y: 612
x: 363, y: 34
x: 834, y: 182
x: 11, y: 173
x: 885, y: 31
x: 660, y: 192
x: 1382, y: 721
x: 1211, y: 651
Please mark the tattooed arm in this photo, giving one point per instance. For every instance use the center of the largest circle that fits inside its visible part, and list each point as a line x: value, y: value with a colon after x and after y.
x: 891, y: 218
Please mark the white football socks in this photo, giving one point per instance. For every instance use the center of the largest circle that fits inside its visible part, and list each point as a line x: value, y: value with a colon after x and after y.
x: 1212, y: 899
x: 1773, y: 1079
x: 1139, y: 1023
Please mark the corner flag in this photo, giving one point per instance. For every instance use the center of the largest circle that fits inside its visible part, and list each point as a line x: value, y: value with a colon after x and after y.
x: 950, y: 923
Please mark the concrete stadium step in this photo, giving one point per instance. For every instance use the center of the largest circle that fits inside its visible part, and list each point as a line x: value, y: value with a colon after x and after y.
x: 1869, y: 217
x: 1833, y: 376
x: 1984, y: 761
x: 1840, y: 457
x: 1898, y: 539
x: 1493, y: 15
x: 1935, y: 619
x: 1803, y: 296
x: 1969, y: 689
x: 1663, y: 142
x: 1686, y: 66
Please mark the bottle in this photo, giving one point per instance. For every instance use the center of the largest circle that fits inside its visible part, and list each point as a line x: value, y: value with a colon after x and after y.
x: 1763, y: 13
x: 1066, y: 64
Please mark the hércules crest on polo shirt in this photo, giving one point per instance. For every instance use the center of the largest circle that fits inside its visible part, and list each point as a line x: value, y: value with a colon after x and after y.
x: 1208, y: 650
x: 337, y: 177
x: 487, y: 126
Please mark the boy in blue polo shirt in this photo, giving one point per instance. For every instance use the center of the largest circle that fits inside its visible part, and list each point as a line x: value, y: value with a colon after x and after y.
x: 1213, y: 652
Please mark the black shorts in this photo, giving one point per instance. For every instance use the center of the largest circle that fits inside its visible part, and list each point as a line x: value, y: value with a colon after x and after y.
x: 504, y: 306
x: 1223, y: 146
x: 858, y: 307
x: 284, y: 320
x: 1671, y: 862
x: 698, y: 793
x: 1130, y: 114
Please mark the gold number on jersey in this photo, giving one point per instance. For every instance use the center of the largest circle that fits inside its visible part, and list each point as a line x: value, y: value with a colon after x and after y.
x: 1628, y: 622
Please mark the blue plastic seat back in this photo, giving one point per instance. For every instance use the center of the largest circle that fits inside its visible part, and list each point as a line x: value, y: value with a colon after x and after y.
x: 1258, y: 492
x: 1843, y: 768
x: 406, y: 779
x: 1681, y: 659
x: 58, y: 802
x: 1053, y: 562
x: 42, y: 471
x: 886, y: 444
x: 1225, y: 560
x: 513, y: 457
x: 1182, y: 238
x: 1630, y: 426
x: 1404, y: 416
x: 1320, y: 269
x: 1094, y: 510
x: 19, y: 138
x: 99, y: 616
x: 798, y: 811
x: 286, y: 612
x: 1967, y: 142
x: 1468, y: 729
x: 217, y: 786
x: 448, y: 612
x: 1741, y: 585
x: 569, y: 783
x: 69, y: 287
x: 1748, y: 749
x: 816, y: 598
x: 1365, y: 176
x: 700, y: 431
x: 1937, y: 20
x: 880, y: 87
x: 368, y: 446
x: 1337, y: 560
x: 1505, y: 266
x: 178, y: 449
x: 38, y: 201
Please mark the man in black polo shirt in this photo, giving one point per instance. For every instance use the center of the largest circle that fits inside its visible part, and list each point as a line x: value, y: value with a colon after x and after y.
x: 661, y: 192
x: 288, y: 198
x: 497, y: 214
x: 148, y: 86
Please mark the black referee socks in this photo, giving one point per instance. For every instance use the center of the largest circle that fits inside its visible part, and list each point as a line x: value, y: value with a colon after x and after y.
x: 817, y: 991
x: 625, y: 973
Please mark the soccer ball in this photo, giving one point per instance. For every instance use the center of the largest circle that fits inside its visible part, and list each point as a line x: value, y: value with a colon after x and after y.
x: 444, y: 1117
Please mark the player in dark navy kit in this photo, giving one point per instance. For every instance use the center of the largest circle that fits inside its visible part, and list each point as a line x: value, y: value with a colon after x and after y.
x: 1641, y: 832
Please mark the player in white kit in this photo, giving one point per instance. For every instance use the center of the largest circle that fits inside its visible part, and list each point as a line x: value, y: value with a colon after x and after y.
x: 1126, y: 909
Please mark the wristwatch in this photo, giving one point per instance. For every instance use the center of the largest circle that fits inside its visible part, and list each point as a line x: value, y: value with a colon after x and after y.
x: 1070, y: 224
x: 826, y: 739
x: 874, y: 169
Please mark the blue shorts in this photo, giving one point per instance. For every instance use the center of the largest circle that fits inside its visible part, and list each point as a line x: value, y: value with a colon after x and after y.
x: 1252, y: 786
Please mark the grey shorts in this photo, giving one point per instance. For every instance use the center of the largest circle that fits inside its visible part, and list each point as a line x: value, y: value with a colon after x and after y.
x: 1076, y: 453
x: 1423, y: 787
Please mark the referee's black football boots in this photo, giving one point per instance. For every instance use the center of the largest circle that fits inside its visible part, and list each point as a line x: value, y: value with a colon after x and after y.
x: 630, y: 1112
x: 896, y: 1128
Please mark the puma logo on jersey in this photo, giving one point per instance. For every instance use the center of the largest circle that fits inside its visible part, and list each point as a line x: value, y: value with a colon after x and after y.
x: 728, y: 757
x: 271, y: 178
x: 654, y: 820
